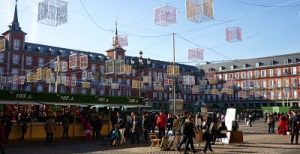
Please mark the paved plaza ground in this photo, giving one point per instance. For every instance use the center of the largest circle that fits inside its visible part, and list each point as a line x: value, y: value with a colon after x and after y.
x: 256, y: 140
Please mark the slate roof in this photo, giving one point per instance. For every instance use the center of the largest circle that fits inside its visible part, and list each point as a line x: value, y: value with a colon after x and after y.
x: 271, y: 61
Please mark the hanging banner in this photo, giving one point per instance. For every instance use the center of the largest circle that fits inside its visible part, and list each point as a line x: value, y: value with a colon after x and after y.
x: 2, y: 45
x: 173, y: 71
x: 83, y: 61
x: 110, y: 66
x: 165, y: 15
x: 86, y: 84
x: 73, y: 61
x: 195, y: 54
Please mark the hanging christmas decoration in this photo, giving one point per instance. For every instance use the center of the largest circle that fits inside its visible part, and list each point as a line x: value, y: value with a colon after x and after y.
x: 199, y: 10
x: 53, y: 12
x: 196, y: 54
x: 233, y: 34
x: 188, y: 80
x: 2, y: 44
x: 172, y: 71
x: 165, y: 15
x: 122, y: 40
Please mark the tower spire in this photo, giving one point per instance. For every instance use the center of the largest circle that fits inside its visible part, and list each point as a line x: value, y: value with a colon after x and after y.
x: 15, y: 24
x: 116, y: 41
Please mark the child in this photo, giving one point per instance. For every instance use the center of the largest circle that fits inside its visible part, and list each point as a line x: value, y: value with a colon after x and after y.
x: 115, y: 134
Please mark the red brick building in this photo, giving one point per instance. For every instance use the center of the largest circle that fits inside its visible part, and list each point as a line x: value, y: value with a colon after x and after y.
x: 266, y: 81
x: 20, y: 61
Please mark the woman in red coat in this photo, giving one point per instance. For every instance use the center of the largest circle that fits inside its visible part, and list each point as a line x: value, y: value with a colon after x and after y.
x: 282, y: 125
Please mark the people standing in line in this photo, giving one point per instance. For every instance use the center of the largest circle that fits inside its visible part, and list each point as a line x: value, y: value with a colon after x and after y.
x: 161, y: 124
x: 121, y: 123
x: 65, y: 125
x: 50, y: 128
x: 295, y: 126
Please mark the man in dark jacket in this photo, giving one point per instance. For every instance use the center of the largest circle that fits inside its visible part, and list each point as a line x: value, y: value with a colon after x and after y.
x: 295, y: 122
x: 189, y: 134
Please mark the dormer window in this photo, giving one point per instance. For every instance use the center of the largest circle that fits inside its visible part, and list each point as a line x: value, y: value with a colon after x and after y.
x: 258, y: 64
x: 232, y: 67
x: 221, y: 68
x: 273, y: 62
x: 287, y: 61
x: 245, y: 66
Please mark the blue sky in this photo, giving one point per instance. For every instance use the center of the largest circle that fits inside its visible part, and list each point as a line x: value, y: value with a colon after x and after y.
x: 272, y: 28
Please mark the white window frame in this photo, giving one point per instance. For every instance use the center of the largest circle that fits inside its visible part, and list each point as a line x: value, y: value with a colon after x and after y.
x: 271, y: 72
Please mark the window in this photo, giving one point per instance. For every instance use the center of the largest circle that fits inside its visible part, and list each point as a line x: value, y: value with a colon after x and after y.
x: 73, y: 91
x: 257, y: 75
x: 272, y: 94
x: 286, y: 71
x: 15, y: 71
x: 294, y: 82
x: 271, y: 83
x: 278, y: 72
x: 271, y: 72
x: 15, y: 58
x: 28, y: 60
x: 279, y: 83
x: 1, y: 57
x: 93, y: 91
x: 264, y: 84
x: 17, y: 44
x: 93, y: 67
x: 249, y: 74
x: 41, y: 62
x: 295, y: 94
x: 243, y: 75
x: 279, y: 94
x: 263, y: 73
x: 1, y: 70
x: 294, y: 70
x: 237, y: 75
x: 257, y: 64
x: 28, y: 87
x: 40, y: 88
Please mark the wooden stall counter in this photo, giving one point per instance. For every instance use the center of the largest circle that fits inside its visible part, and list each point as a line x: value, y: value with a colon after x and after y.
x: 36, y: 131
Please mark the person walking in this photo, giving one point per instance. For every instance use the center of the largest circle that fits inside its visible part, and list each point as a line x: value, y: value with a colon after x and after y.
x: 207, y: 135
x: 161, y: 124
x: 121, y: 122
x: 189, y: 134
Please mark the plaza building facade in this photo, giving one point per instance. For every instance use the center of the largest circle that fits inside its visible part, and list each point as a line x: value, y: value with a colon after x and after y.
x: 254, y: 83
x: 20, y: 61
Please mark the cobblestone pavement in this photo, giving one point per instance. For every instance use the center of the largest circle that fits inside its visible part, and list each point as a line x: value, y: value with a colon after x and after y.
x: 256, y: 140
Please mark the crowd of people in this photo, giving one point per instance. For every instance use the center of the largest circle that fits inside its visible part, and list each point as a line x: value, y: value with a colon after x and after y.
x: 130, y: 128
x: 287, y: 124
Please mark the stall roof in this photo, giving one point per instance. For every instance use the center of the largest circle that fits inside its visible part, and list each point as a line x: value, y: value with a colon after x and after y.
x: 20, y: 102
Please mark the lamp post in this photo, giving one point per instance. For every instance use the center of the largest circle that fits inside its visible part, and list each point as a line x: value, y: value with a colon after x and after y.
x: 140, y: 66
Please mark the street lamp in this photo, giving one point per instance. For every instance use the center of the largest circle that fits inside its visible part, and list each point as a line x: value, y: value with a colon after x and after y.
x: 140, y: 66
